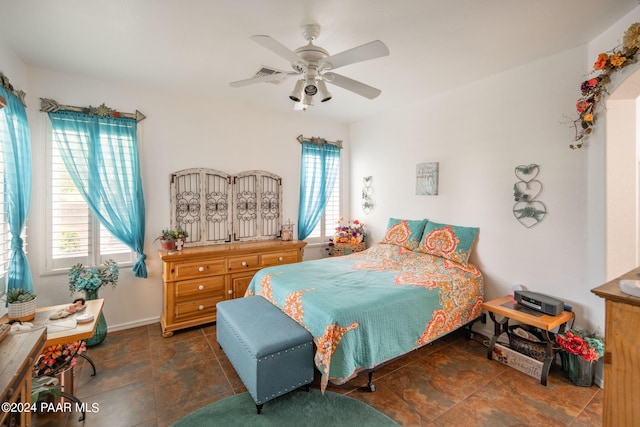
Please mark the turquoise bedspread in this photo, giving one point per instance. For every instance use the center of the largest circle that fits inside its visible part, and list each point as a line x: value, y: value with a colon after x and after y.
x: 369, y: 307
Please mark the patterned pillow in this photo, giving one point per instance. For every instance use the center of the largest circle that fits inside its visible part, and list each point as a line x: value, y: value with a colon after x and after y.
x: 448, y: 241
x: 404, y: 232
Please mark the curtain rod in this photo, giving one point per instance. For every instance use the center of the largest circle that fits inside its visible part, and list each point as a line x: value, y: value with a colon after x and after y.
x: 4, y: 81
x: 319, y: 141
x: 48, y: 105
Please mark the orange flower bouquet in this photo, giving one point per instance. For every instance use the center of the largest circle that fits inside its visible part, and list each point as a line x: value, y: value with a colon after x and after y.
x: 351, y: 232
x: 58, y: 356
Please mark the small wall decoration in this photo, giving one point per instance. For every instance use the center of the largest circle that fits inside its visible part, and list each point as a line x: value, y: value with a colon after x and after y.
x: 427, y: 179
x: 367, y: 193
x: 527, y: 210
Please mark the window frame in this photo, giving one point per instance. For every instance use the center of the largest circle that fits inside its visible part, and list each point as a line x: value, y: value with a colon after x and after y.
x: 327, y: 231
x: 94, y: 256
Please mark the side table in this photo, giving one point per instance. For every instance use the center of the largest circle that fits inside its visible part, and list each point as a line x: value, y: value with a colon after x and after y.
x: 510, y: 310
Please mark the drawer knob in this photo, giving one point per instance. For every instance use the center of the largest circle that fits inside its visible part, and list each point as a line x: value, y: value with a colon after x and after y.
x: 280, y: 258
x: 201, y: 307
x: 244, y: 263
x: 201, y: 269
x: 201, y: 287
x: 230, y: 292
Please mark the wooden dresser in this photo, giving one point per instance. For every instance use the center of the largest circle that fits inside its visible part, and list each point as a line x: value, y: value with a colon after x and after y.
x: 18, y: 353
x: 197, y: 278
x: 622, y: 353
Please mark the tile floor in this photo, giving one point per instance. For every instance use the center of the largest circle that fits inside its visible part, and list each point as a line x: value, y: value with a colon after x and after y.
x: 145, y: 380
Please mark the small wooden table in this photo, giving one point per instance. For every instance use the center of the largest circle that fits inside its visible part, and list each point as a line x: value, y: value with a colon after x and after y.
x: 509, y: 309
x: 58, y: 332
x: 82, y: 331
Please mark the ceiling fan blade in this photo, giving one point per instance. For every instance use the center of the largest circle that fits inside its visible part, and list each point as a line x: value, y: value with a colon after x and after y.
x: 371, y: 50
x: 352, y: 85
x: 278, y: 48
x: 269, y: 78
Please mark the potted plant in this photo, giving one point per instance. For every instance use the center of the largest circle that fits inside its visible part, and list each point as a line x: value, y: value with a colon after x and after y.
x: 580, y: 350
x: 89, y: 280
x: 21, y: 304
x: 170, y: 237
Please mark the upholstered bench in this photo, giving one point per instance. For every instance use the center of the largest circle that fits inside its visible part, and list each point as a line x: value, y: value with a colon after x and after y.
x: 271, y: 352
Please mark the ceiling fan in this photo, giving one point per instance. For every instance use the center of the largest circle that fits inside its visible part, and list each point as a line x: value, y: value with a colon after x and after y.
x: 315, y: 66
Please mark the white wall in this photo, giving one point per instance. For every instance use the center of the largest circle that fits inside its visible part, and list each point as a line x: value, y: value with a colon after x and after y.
x: 179, y: 132
x: 479, y: 134
x: 12, y: 67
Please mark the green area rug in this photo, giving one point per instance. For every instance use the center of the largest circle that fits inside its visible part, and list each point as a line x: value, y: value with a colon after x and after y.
x: 298, y: 408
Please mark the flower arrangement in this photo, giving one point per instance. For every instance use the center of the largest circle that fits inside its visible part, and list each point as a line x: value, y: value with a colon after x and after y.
x: 58, y: 356
x: 90, y: 279
x: 349, y: 232
x: 595, y: 89
x: 586, y: 345
x: 171, y: 234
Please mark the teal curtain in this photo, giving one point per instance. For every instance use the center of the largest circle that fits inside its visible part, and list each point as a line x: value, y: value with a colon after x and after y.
x: 16, y: 150
x: 101, y: 155
x: 318, y: 173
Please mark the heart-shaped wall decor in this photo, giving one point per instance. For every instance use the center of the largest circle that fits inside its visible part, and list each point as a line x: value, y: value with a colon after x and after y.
x: 527, y: 191
x: 529, y: 213
x: 527, y: 173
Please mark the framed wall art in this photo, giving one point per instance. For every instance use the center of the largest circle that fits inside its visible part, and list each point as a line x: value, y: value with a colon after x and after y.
x: 427, y: 179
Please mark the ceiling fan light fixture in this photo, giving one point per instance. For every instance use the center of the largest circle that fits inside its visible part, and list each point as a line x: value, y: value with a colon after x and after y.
x: 310, y: 88
x: 296, y: 95
x: 307, y: 101
x: 325, y: 95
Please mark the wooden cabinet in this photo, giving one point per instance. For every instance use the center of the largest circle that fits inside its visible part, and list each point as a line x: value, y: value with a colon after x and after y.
x: 18, y: 353
x: 197, y: 278
x: 622, y: 353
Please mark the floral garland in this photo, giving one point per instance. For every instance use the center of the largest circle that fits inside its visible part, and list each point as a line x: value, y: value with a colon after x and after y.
x: 582, y: 344
x: 595, y: 89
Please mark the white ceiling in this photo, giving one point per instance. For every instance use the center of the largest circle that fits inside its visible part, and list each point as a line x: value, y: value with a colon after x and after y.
x: 199, y: 46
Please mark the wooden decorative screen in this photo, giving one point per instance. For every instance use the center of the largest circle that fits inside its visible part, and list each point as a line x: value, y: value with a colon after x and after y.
x: 215, y: 207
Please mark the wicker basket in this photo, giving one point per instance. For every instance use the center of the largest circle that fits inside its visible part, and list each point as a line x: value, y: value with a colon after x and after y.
x: 339, y: 249
x: 535, y: 350
x: 22, y: 311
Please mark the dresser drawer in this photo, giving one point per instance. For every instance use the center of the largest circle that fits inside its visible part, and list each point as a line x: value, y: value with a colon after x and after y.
x: 240, y: 263
x: 200, y: 288
x: 196, y: 278
x: 196, y: 269
x: 198, y: 308
x: 278, y: 258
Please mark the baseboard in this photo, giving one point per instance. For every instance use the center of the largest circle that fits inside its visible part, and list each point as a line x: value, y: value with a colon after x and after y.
x: 130, y: 325
x: 483, y: 329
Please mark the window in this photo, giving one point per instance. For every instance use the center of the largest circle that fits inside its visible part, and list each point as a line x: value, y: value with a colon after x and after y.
x: 327, y: 225
x: 5, y: 235
x: 75, y: 235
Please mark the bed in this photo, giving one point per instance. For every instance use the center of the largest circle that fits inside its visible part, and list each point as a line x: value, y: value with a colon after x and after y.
x: 373, y: 306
